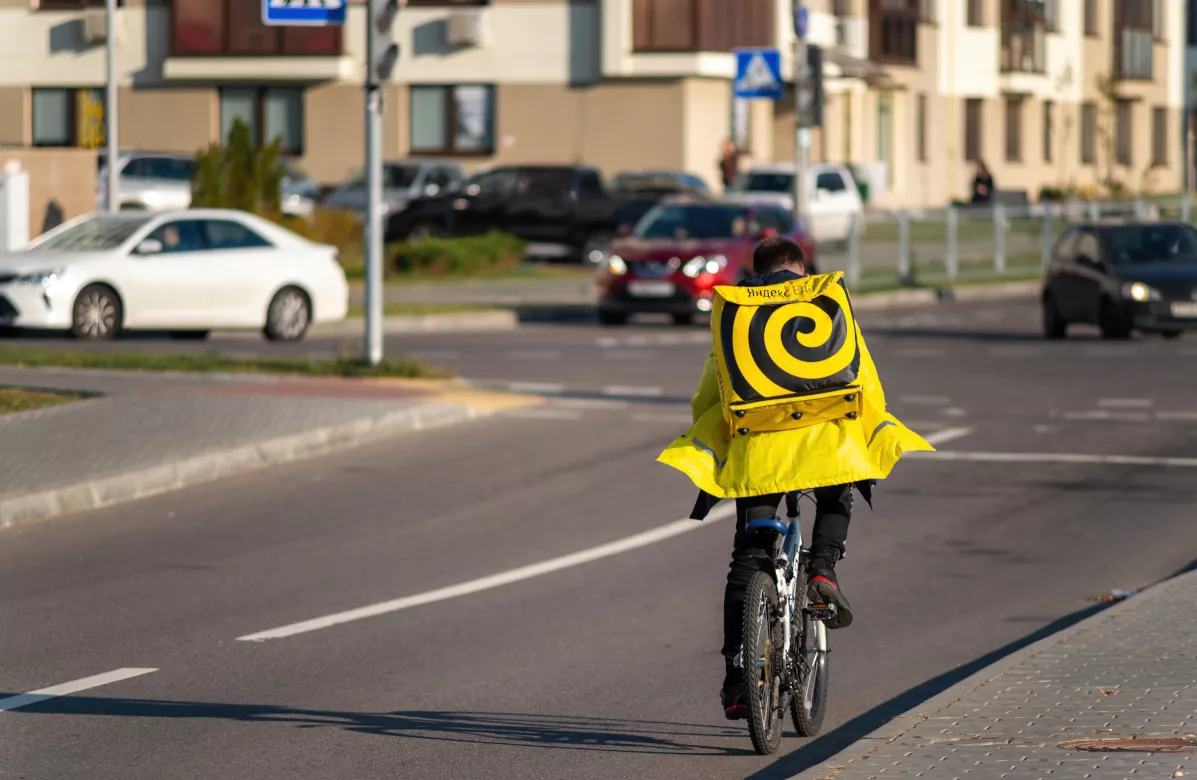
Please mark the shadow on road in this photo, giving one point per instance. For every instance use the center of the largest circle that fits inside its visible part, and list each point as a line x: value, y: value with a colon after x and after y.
x: 825, y: 747
x: 556, y: 732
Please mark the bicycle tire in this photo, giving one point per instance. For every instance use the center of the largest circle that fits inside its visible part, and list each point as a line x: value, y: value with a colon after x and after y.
x: 762, y: 668
x: 807, y: 706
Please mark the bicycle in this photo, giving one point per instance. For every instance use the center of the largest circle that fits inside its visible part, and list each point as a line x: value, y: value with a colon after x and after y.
x: 785, y: 640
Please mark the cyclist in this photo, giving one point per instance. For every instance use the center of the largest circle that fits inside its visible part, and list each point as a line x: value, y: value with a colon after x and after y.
x: 757, y: 472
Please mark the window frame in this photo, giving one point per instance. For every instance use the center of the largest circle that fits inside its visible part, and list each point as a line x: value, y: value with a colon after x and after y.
x: 283, y: 47
x: 259, y: 126
x: 1013, y: 106
x: 72, y: 94
x: 1089, y: 22
x: 1049, y: 129
x: 894, y: 26
x: 1124, y: 133
x: 920, y: 127
x: 974, y: 13
x: 974, y: 142
x: 1159, y: 136
x: 449, y: 147
x: 1016, y: 13
x: 1088, y: 133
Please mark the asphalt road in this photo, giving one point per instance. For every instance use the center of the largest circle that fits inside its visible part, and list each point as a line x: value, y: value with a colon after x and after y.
x: 610, y: 667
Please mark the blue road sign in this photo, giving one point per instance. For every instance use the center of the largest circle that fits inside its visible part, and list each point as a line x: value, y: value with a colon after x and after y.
x: 758, y: 74
x: 801, y: 20
x: 309, y: 13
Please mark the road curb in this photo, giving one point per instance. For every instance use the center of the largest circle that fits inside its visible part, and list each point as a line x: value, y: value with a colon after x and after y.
x: 208, y: 467
x: 862, y: 748
x: 926, y: 295
x: 454, y: 322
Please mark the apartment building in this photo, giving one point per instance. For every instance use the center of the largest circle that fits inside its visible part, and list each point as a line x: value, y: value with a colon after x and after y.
x: 917, y: 89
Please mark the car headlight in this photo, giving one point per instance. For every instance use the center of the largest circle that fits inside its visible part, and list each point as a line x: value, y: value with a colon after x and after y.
x: 616, y: 265
x: 40, y: 278
x: 699, y: 265
x: 1138, y: 291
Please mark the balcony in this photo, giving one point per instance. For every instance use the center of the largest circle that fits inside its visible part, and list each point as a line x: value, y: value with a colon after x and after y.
x: 702, y: 25
x: 226, y: 39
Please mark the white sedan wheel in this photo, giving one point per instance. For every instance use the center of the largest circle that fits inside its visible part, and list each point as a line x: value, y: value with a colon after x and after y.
x: 289, y: 315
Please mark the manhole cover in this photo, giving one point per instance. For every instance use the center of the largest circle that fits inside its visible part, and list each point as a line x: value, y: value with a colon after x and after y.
x: 1171, y: 745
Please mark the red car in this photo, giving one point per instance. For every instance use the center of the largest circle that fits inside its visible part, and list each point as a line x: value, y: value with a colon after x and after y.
x: 684, y: 247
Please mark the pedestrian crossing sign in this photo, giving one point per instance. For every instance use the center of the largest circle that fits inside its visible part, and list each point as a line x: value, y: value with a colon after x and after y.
x: 758, y: 74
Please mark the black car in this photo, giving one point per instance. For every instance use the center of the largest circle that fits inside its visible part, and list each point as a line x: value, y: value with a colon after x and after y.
x: 1123, y: 277
x: 562, y: 211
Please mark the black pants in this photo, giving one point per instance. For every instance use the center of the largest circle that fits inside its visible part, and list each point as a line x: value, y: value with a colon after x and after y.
x: 753, y: 551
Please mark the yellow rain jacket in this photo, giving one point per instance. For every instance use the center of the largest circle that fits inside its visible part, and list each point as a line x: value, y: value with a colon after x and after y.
x: 785, y: 406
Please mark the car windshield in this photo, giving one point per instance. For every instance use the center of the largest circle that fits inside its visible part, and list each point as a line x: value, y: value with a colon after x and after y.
x: 693, y: 221
x: 1150, y: 243
x: 93, y: 235
x: 630, y: 214
x: 767, y: 182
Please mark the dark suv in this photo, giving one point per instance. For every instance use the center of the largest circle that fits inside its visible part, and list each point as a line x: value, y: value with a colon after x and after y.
x: 561, y: 211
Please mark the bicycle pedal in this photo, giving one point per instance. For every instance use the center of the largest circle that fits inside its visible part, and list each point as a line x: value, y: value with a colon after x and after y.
x: 821, y: 611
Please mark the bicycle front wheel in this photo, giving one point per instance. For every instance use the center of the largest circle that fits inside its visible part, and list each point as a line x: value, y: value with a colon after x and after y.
x: 808, y: 705
x: 764, y: 665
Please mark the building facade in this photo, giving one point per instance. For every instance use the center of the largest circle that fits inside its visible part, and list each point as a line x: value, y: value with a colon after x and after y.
x: 917, y: 90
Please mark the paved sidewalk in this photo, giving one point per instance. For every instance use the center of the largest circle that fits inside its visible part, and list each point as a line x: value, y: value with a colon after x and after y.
x: 1113, y: 681
x: 149, y: 433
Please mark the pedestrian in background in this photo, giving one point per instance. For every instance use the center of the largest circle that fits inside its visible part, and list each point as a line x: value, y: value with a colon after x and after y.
x: 729, y: 163
x: 982, y: 184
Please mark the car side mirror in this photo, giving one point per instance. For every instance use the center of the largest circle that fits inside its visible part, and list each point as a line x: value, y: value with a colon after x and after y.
x: 623, y: 231
x: 432, y: 191
x: 151, y: 246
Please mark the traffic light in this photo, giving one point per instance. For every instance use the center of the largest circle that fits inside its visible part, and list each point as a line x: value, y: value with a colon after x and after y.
x: 384, y: 53
x: 809, y: 89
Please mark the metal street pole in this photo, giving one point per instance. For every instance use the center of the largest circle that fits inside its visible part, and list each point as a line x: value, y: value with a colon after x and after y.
x: 373, y: 226
x: 801, y: 133
x: 111, y: 119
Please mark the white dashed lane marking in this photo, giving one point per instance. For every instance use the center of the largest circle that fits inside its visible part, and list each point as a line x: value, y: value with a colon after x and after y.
x: 67, y: 688
x: 1125, y: 403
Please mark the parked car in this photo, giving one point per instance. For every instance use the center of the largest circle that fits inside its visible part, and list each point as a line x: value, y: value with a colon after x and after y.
x: 681, y: 250
x: 187, y: 272
x: 403, y: 181
x: 637, y: 183
x: 562, y: 211
x: 834, y: 199
x: 1123, y: 277
x: 161, y: 181
x: 149, y: 181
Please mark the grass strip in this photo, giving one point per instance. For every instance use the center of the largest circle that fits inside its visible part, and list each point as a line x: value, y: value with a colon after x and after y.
x: 211, y: 362
x: 14, y: 399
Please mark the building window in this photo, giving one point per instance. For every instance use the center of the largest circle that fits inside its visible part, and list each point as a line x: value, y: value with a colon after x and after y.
x: 976, y: 13
x: 1157, y: 19
x: 1014, y: 128
x: 69, y: 117
x: 452, y: 120
x: 972, y: 129
x: 1134, y: 38
x: 894, y: 31
x: 1159, y: 136
x: 1049, y: 127
x: 271, y: 114
x: 687, y: 25
x: 1088, y: 133
x: 1051, y: 9
x: 921, y: 127
x: 1123, y: 145
x: 234, y: 28
x: 1024, y: 32
x: 1191, y: 15
x: 929, y: 11
x: 1091, y: 17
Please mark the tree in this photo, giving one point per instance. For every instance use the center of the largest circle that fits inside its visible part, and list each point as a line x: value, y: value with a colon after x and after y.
x: 1107, y: 88
x: 239, y: 175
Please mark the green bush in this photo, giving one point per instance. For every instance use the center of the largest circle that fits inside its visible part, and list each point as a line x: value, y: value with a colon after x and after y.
x: 336, y: 227
x: 1049, y: 193
x: 239, y: 175
x: 457, y: 256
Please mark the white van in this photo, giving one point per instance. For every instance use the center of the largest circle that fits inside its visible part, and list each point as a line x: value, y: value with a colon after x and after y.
x: 833, y: 197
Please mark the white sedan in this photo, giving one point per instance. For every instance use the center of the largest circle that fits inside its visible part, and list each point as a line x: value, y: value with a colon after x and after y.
x: 187, y: 272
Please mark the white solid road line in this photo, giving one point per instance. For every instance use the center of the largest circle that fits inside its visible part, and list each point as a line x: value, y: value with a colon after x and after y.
x: 1176, y: 415
x: 1057, y: 457
x: 647, y: 392
x: 1103, y: 414
x: 946, y: 435
x: 1125, y: 403
x: 667, y: 531
x: 65, y: 689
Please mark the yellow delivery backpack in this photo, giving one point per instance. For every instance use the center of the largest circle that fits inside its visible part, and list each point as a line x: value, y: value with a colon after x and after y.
x: 790, y: 398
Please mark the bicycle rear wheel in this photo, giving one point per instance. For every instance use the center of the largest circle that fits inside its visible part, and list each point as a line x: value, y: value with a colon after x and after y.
x: 763, y: 663
x: 808, y: 704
